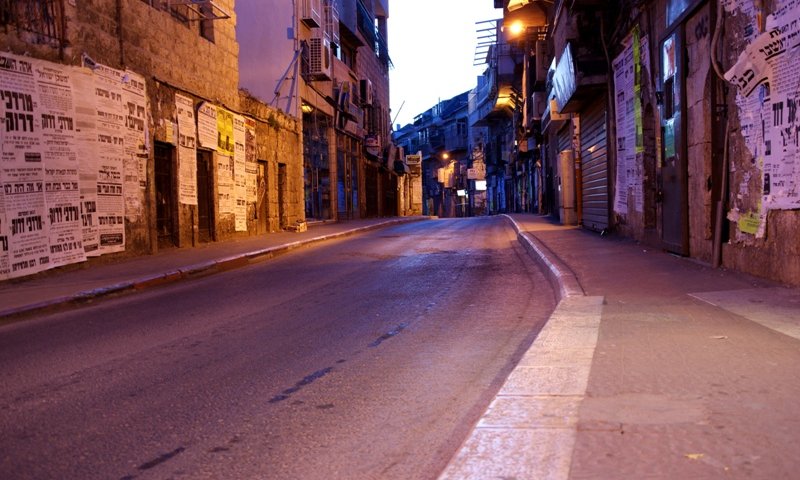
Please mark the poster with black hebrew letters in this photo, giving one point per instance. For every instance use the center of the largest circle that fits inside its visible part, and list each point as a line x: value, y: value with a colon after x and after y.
x: 239, y: 173
x: 187, y: 150
x: 62, y: 194
x: 251, y: 165
x: 22, y: 169
x: 207, y: 125
x: 134, y: 96
x: 3, y: 222
x: 86, y: 139
x: 111, y: 158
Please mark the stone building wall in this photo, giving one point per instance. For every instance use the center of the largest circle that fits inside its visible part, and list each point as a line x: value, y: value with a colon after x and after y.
x: 775, y: 252
x: 757, y: 241
x: 175, y: 59
x: 280, y: 142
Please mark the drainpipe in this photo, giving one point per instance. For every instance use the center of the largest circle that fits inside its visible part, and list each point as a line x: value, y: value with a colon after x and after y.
x: 119, y: 33
x: 716, y: 254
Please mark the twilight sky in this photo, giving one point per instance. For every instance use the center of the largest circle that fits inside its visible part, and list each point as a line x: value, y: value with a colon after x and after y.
x: 432, y: 45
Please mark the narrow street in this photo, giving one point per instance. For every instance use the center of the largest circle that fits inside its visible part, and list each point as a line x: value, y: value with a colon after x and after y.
x: 362, y: 358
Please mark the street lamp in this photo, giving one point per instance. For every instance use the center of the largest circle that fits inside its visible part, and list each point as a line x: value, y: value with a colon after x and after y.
x: 516, y: 28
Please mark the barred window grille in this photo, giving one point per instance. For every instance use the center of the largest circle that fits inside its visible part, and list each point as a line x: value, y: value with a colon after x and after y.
x: 42, y: 18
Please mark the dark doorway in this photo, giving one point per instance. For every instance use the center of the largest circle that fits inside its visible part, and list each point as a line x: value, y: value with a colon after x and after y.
x: 371, y: 189
x: 165, y: 197
x: 262, y: 215
x: 282, y: 196
x: 674, y: 172
x: 205, y: 196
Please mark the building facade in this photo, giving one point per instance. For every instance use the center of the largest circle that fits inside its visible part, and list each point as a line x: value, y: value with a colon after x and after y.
x: 126, y: 133
x: 440, y: 138
x: 670, y: 122
x: 331, y: 73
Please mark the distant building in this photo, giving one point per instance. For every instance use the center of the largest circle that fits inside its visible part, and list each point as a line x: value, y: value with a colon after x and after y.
x: 440, y: 135
x: 326, y: 63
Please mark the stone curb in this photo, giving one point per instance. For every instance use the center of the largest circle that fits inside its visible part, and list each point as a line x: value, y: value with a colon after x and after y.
x: 530, y: 427
x: 561, y: 277
x: 193, y: 271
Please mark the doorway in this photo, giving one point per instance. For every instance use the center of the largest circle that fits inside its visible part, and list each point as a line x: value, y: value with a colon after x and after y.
x: 205, y: 196
x: 262, y: 215
x: 165, y: 198
x: 282, y: 196
x: 674, y: 170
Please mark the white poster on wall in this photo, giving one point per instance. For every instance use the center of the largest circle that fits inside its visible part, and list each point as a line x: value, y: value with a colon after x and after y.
x: 59, y: 154
x: 136, y: 150
x: 251, y: 164
x: 225, y: 197
x: 22, y: 169
x: 240, y: 172
x: 4, y: 268
x: 207, y: 126
x: 627, y: 69
x: 769, y: 114
x: 110, y: 149
x: 187, y: 150
x: 86, y: 140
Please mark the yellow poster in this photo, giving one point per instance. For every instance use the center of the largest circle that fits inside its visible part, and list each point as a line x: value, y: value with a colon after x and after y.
x: 224, y: 132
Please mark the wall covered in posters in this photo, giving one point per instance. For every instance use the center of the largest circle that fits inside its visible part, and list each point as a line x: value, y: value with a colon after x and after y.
x: 766, y: 75
x: 187, y: 150
x: 239, y: 173
x: 627, y: 69
x: 67, y: 132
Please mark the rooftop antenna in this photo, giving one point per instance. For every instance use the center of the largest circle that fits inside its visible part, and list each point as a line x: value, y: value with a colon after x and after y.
x: 398, y: 112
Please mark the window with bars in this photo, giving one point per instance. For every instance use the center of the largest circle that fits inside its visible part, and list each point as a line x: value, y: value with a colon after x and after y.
x: 188, y: 12
x: 42, y: 18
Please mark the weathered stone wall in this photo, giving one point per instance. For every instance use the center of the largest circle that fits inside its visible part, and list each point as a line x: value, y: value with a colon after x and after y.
x: 279, y: 138
x: 151, y: 40
x: 174, y: 57
x: 777, y: 254
x: 699, y: 120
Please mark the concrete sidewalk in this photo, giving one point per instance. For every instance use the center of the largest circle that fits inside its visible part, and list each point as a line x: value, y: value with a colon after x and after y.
x: 652, y: 366
x: 81, y: 283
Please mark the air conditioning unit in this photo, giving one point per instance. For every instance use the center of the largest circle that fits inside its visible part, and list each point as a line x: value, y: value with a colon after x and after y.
x: 332, y: 22
x: 311, y: 13
x: 320, y: 64
x: 539, y: 103
x: 366, y: 91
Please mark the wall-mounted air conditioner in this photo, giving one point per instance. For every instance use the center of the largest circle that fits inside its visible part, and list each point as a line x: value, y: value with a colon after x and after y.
x: 538, y: 105
x: 311, y: 13
x: 366, y: 91
x: 332, y: 22
x: 319, y: 58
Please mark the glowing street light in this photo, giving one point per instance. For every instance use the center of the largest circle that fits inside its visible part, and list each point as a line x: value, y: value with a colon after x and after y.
x: 516, y: 28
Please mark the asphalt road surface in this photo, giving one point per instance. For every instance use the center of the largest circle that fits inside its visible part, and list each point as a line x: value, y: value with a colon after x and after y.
x: 369, y: 357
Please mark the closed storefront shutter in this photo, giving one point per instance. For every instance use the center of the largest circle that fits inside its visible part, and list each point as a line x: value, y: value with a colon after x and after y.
x: 594, y: 156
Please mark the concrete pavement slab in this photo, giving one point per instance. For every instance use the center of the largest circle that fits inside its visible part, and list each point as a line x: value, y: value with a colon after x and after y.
x: 776, y: 308
x: 682, y: 381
